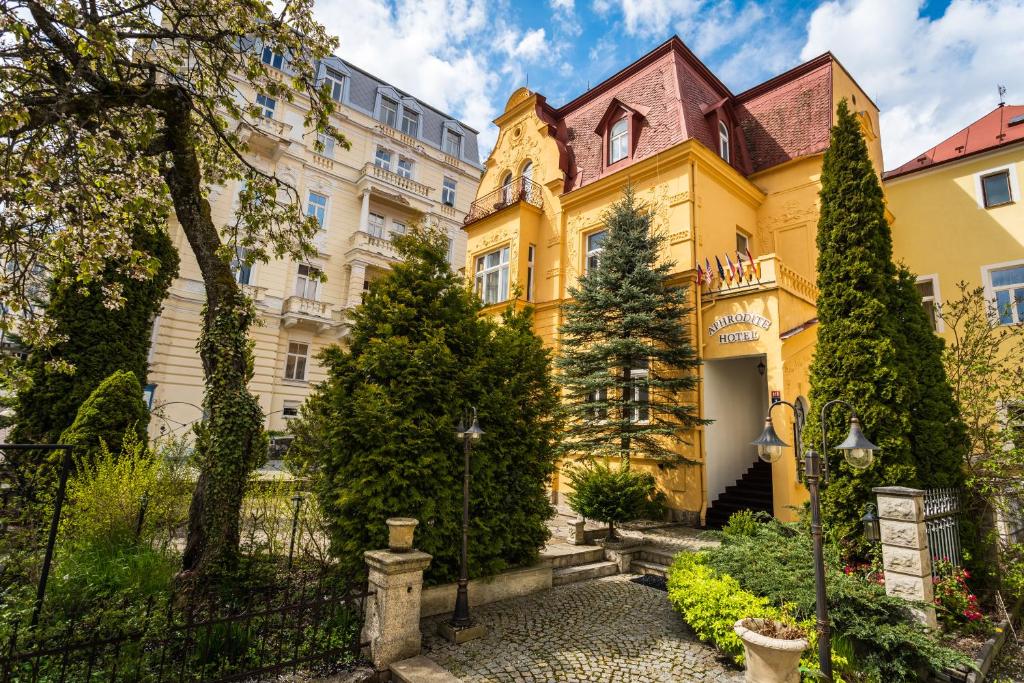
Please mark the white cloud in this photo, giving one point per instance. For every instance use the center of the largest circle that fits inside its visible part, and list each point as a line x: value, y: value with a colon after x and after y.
x: 929, y: 77
x: 564, y: 5
x: 430, y: 48
x: 528, y: 46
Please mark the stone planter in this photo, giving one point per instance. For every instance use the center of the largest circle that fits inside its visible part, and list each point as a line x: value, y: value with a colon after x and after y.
x: 400, y: 531
x: 769, y: 660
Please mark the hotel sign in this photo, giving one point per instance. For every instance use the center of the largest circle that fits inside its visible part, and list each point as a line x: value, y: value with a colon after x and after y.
x: 725, y: 321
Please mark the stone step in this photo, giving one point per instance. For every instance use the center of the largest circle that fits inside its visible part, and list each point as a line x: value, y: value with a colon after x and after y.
x: 420, y: 670
x: 557, y: 555
x: 583, y: 572
x: 657, y: 555
x: 646, y: 567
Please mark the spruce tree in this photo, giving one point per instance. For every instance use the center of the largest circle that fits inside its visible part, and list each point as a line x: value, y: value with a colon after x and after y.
x: 858, y: 356
x: 95, y: 340
x: 379, y: 433
x: 624, y: 316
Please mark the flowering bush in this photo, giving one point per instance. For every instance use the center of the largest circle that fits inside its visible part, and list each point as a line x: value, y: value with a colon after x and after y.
x: 956, y: 605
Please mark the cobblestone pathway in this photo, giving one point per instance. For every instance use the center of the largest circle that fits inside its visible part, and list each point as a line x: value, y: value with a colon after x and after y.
x: 603, y: 631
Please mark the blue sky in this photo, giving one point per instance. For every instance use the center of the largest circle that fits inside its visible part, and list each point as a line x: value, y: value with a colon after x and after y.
x: 932, y: 66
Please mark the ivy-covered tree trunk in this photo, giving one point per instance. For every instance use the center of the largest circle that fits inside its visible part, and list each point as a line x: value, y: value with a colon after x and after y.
x: 230, y: 440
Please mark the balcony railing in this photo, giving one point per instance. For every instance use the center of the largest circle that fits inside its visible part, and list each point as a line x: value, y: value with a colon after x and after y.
x: 408, y: 184
x: 307, y: 307
x: 373, y: 243
x: 521, y: 189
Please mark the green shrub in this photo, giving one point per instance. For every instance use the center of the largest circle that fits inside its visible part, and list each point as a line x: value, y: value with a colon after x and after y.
x: 114, y: 407
x: 743, y: 523
x: 613, y: 495
x: 776, y: 563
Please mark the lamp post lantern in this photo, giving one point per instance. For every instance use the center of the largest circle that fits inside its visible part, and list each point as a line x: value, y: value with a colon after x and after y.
x: 859, y: 453
x: 460, y: 627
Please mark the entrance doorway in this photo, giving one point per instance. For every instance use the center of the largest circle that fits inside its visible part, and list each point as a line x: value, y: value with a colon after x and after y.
x: 736, y: 398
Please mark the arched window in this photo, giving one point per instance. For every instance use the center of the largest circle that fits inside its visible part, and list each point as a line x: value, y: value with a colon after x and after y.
x: 723, y: 141
x: 528, y: 170
x: 618, y: 141
x: 506, y: 188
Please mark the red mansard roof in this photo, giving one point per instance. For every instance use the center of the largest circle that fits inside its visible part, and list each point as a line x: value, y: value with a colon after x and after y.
x: 680, y: 99
x: 1003, y: 125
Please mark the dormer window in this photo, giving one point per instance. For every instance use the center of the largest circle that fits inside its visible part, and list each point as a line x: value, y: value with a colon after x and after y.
x: 388, y: 112
x: 618, y: 141
x: 271, y: 58
x: 723, y: 141
x: 452, y: 143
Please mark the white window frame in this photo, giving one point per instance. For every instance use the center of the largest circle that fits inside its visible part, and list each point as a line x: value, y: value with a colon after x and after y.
x: 382, y: 114
x: 307, y: 282
x: 740, y: 235
x: 990, y: 290
x: 641, y: 405
x: 723, y: 141
x: 328, y: 143
x: 398, y: 227
x: 296, y: 361
x: 483, y: 273
x: 593, y: 254
x: 531, y: 255
x: 448, y: 189
x: 293, y: 405
x: 415, y: 118
x: 272, y: 59
x: 452, y: 136
x: 979, y: 191
x: 238, y: 267
x: 382, y: 158
x: 600, y: 414
x: 374, y: 227
x: 267, y: 105
x: 336, y: 87
x: 317, y: 209
x: 405, y: 171
x: 618, y: 141
x: 935, y: 299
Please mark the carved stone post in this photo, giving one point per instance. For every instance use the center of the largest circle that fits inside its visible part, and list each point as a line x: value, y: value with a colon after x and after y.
x: 905, y: 554
x: 392, y: 620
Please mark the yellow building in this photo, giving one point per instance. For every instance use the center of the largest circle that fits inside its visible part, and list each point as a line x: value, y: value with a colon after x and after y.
x: 960, y: 214
x: 408, y: 161
x: 727, y: 176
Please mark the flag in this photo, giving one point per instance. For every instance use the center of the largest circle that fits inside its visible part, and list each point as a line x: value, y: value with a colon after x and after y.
x: 755, y: 269
x: 700, y: 275
x: 740, y: 267
x: 708, y: 272
x: 721, y: 270
x: 732, y: 269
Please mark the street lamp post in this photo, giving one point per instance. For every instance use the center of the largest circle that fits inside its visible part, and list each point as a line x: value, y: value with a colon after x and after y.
x: 460, y: 627
x: 859, y: 453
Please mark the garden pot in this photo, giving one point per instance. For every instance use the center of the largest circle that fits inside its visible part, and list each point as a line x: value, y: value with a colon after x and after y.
x: 769, y: 659
x: 400, y: 531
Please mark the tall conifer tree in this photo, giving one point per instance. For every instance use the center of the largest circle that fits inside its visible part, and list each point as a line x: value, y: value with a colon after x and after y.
x: 627, y: 364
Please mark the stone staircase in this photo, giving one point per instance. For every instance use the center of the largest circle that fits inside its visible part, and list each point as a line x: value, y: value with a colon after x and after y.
x: 572, y: 563
x: 752, y: 492
x: 652, y: 559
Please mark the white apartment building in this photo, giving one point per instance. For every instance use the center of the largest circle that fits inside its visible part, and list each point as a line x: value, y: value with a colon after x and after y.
x: 407, y: 161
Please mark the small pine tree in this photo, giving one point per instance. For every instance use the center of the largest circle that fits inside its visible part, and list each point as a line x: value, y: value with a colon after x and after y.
x: 95, y: 340
x: 114, y: 408
x: 858, y: 356
x: 379, y: 433
x: 613, y: 495
x: 627, y: 365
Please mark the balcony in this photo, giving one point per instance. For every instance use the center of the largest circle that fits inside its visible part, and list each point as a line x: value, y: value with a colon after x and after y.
x: 312, y: 314
x: 266, y: 136
x: 407, y: 140
x: 773, y: 274
x: 521, y: 189
x: 378, y: 249
x: 386, y: 183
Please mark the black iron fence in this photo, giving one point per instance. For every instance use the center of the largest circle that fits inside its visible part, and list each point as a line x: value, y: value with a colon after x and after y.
x: 520, y: 189
x: 310, y: 625
x: 942, y: 522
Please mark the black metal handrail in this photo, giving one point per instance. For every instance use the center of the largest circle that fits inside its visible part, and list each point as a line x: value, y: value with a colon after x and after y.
x: 520, y: 189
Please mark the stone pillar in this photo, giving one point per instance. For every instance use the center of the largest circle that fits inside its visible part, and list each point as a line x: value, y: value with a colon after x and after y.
x: 905, y: 554
x: 356, y: 277
x: 392, y: 619
x: 364, y: 213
